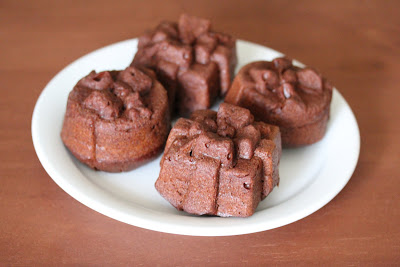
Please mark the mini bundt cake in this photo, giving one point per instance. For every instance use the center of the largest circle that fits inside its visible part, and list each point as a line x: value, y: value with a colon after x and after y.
x: 220, y: 163
x: 297, y: 100
x: 194, y: 63
x: 116, y: 120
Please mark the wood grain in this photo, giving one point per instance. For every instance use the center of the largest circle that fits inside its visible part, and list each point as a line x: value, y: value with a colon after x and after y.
x: 354, y: 43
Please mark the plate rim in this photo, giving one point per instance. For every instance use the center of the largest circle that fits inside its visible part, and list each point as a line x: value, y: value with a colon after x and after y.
x: 167, y: 227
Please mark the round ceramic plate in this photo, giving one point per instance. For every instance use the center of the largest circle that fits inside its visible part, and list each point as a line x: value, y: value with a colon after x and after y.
x: 310, y: 176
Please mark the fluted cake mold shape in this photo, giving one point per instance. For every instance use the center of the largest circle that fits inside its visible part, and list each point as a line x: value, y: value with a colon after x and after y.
x: 193, y: 62
x: 295, y: 99
x: 220, y: 163
x: 116, y: 120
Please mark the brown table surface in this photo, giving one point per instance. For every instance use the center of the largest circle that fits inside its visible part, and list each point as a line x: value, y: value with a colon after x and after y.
x: 354, y: 43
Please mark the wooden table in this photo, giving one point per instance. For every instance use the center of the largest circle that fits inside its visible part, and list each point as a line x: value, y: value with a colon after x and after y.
x: 354, y: 43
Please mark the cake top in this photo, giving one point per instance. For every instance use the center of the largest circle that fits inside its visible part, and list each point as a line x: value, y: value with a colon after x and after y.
x: 293, y: 95
x: 117, y: 95
x: 227, y: 135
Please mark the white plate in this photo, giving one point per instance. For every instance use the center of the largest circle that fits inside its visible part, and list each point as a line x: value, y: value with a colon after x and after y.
x: 310, y: 176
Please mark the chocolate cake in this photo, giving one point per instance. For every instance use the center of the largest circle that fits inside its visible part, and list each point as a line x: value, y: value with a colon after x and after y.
x: 116, y: 120
x: 297, y: 100
x: 220, y: 163
x: 194, y: 63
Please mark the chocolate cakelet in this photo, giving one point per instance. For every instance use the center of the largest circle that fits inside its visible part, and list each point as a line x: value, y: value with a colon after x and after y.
x: 194, y: 63
x: 220, y: 163
x: 295, y: 99
x: 116, y: 120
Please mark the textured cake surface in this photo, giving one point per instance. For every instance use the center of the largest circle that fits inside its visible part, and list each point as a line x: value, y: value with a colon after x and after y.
x: 194, y: 63
x: 220, y: 163
x: 116, y: 120
x: 297, y: 100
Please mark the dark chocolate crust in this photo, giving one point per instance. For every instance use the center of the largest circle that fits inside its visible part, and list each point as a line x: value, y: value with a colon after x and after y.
x: 194, y: 63
x: 297, y: 100
x: 116, y: 120
x: 221, y: 163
